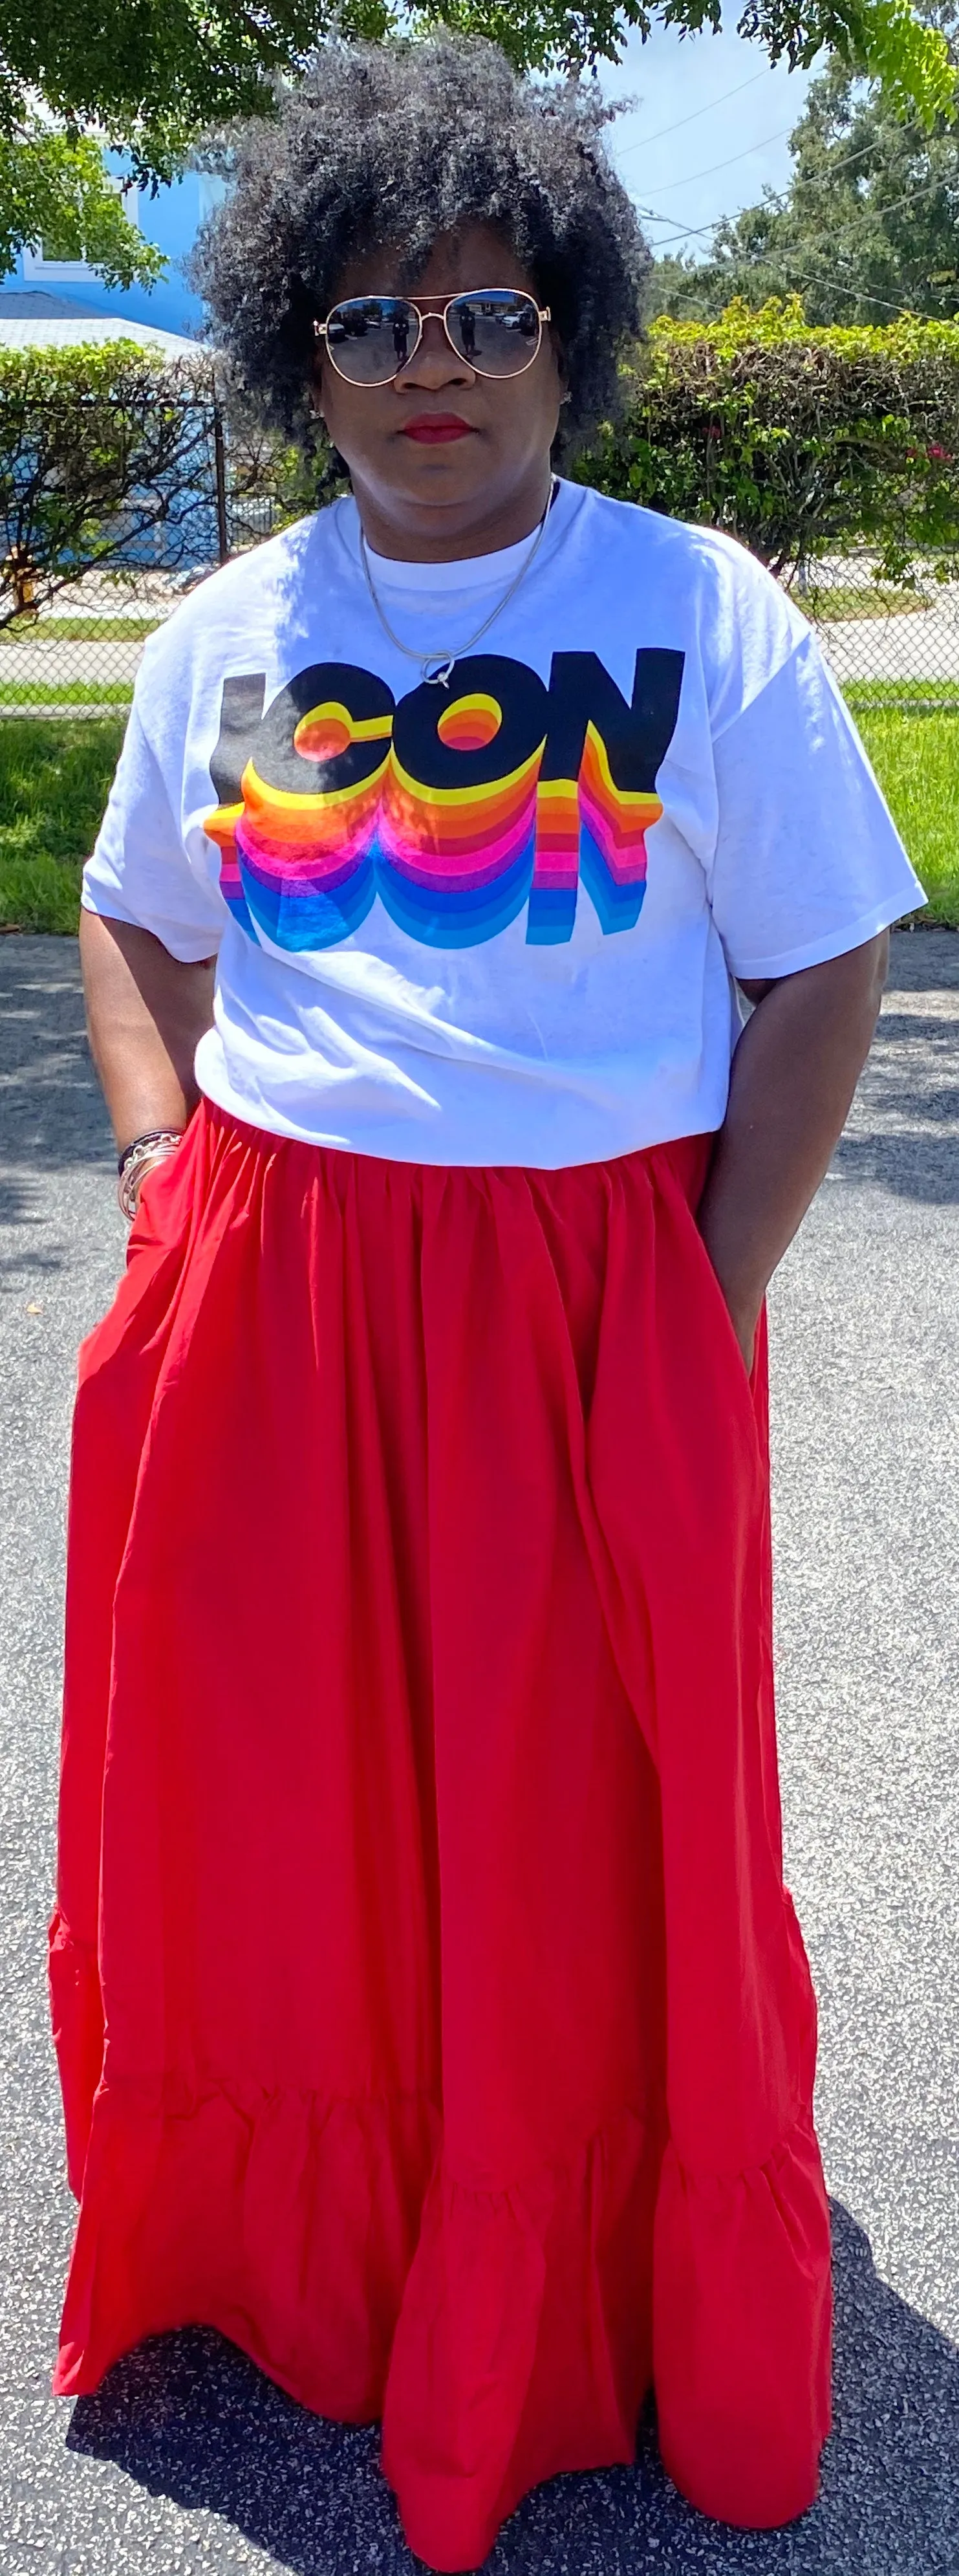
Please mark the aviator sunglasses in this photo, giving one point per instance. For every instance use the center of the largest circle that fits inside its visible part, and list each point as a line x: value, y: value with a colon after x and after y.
x: 370, y: 338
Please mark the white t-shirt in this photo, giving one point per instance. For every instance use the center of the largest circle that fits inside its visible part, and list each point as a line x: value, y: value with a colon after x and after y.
x: 492, y: 922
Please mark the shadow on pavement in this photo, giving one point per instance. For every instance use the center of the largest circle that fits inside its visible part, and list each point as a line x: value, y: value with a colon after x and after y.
x: 189, y: 2418
x: 52, y: 1112
x: 923, y: 961
x: 53, y: 1115
x: 903, y: 1130
x: 914, y: 1167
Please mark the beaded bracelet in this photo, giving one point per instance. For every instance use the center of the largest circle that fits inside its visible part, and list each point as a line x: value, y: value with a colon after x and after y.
x: 138, y: 1158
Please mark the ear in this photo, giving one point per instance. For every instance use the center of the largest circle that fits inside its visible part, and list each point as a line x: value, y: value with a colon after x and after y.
x: 315, y: 386
x: 559, y: 355
x: 316, y: 379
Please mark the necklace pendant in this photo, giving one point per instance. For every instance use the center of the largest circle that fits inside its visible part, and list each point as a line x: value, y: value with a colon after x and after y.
x: 437, y: 674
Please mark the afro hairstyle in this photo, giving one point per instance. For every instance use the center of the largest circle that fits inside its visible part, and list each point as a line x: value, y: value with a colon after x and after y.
x: 397, y: 144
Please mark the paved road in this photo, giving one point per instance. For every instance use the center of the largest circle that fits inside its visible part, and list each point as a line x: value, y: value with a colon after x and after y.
x: 188, y: 2461
x: 55, y: 658
x: 920, y: 644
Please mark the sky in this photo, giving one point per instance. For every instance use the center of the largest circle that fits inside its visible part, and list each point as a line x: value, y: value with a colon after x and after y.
x: 708, y: 129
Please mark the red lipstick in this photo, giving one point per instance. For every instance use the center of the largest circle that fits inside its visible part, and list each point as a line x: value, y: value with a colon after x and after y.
x: 434, y: 428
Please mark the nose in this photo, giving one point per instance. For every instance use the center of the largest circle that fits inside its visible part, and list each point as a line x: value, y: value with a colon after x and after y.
x: 435, y: 362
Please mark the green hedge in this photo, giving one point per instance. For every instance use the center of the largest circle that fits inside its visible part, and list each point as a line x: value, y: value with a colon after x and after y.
x: 107, y: 465
x: 801, y: 442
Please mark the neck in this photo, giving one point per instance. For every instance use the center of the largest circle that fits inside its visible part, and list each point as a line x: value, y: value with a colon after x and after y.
x: 417, y: 532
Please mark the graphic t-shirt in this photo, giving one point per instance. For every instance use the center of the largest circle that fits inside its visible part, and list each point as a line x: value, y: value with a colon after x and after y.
x: 493, y: 921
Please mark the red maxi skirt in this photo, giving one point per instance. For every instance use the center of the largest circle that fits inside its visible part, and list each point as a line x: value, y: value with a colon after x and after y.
x: 431, y: 2015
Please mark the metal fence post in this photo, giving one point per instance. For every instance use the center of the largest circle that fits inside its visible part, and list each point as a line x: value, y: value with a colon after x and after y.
x: 219, y: 465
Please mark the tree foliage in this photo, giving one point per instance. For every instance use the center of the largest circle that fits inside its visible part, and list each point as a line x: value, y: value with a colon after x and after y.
x: 868, y: 225
x: 105, y: 457
x: 150, y: 77
x: 802, y: 442
x: 152, y: 74
x: 54, y: 189
x: 108, y: 464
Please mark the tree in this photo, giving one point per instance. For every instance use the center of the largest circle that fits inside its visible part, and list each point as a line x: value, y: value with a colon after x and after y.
x: 55, y: 189
x: 106, y: 464
x: 113, y: 461
x: 152, y: 74
x: 868, y: 225
x: 804, y: 443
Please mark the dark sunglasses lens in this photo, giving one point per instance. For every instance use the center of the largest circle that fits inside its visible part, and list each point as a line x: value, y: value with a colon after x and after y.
x: 370, y: 337
x: 498, y: 332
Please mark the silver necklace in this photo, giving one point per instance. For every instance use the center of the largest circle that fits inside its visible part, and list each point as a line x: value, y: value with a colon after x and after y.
x: 436, y: 668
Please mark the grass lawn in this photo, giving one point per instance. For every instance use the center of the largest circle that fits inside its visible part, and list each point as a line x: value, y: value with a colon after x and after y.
x: 54, y: 782
x: 911, y: 697
x: 915, y: 755
x: 55, y: 775
x: 865, y: 599
x: 79, y: 630
x: 65, y: 693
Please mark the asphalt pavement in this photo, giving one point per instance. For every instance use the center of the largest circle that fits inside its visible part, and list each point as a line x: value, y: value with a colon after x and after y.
x: 912, y: 644
x: 187, y: 2460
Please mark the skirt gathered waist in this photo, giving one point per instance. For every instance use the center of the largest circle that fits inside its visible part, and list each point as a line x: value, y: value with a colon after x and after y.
x: 432, y: 2018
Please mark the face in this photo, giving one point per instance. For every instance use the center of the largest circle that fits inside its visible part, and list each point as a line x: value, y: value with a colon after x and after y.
x: 485, y: 482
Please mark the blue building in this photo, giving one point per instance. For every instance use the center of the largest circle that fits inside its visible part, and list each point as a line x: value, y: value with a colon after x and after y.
x: 43, y: 287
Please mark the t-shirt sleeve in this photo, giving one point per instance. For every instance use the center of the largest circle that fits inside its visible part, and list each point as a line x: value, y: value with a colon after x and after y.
x: 140, y: 871
x: 807, y: 862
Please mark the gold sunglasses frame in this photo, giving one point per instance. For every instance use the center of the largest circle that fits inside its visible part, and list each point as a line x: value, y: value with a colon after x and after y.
x: 374, y: 384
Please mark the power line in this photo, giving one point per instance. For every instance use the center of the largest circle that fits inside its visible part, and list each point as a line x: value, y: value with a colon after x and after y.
x: 643, y: 141
x: 685, y: 232
x: 816, y: 179
x: 821, y: 277
x: 744, y: 155
x: 912, y: 196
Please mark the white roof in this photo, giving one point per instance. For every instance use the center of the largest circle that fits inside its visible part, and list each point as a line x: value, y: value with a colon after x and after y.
x: 34, y: 334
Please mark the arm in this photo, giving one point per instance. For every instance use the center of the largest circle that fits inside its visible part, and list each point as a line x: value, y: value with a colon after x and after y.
x: 793, y: 1076
x: 145, y: 1014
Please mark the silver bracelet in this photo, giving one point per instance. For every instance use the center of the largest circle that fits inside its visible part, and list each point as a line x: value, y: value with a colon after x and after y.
x: 138, y: 1159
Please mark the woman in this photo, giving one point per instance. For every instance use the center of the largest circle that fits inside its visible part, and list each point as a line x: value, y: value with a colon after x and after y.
x: 431, y: 2013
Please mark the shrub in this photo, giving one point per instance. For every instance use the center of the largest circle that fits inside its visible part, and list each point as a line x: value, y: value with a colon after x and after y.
x: 801, y: 442
x: 106, y: 464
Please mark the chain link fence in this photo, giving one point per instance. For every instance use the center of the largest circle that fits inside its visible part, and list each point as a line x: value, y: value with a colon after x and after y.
x: 888, y: 645
x: 116, y: 498
x: 896, y: 647
x: 122, y: 486
x: 80, y: 657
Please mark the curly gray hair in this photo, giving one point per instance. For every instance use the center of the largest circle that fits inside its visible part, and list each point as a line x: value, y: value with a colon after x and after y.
x: 399, y: 143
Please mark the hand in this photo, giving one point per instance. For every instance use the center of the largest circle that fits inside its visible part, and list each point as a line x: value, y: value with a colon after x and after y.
x: 142, y: 1158
x: 145, y: 1173
x: 793, y: 1076
x: 745, y: 1320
